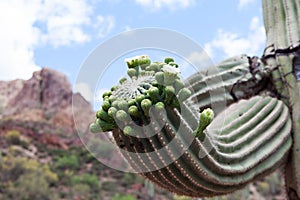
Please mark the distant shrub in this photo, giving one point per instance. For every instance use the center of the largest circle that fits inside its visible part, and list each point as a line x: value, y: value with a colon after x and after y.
x: 13, y: 167
x: 31, y: 186
x: 13, y: 137
x: 123, y: 197
x: 88, y: 179
x: 108, y: 186
x: 81, y: 191
x: 67, y: 162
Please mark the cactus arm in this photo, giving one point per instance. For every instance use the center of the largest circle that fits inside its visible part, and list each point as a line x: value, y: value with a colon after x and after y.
x: 156, y: 126
x: 225, y: 83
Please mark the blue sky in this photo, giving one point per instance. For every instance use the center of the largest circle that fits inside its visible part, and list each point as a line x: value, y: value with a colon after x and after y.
x: 61, y: 34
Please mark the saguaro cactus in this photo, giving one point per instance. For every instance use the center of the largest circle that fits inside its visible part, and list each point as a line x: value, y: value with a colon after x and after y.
x: 282, y: 54
x: 192, y: 139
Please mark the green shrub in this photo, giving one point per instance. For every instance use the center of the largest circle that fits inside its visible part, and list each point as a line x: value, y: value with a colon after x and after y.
x: 88, y: 179
x: 31, y: 186
x: 81, y: 191
x: 13, y: 137
x: 68, y: 162
x: 108, y: 186
x: 123, y: 197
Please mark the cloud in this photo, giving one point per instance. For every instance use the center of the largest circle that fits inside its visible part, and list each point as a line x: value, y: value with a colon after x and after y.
x: 17, y: 39
x: 199, y: 58
x: 104, y: 24
x: 244, y: 3
x: 231, y: 44
x: 168, y: 4
x: 64, y: 21
x: 26, y: 25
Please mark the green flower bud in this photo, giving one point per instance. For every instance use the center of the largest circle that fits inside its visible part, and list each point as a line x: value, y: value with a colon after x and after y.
x: 105, y: 105
x: 134, y: 111
x: 159, y: 77
x: 95, y: 128
x: 106, y: 98
x: 122, y: 105
x: 153, y: 93
x: 144, y: 61
x: 168, y: 60
x: 132, y: 62
x: 102, y: 114
x: 142, y: 73
x: 131, y: 102
x: 112, y: 99
x: 170, y: 74
x: 169, y: 94
x: 113, y: 88
x: 115, y: 104
x: 154, y: 83
x: 122, y: 115
x: 183, y: 94
x: 122, y: 80
x: 146, y: 104
x: 129, y: 131
x: 160, y: 106
x: 206, y: 118
x: 173, y: 64
x: 178, y: 84
x: 112, y: 112
x: 139, y: 98
x: 154, y: 67
x: 105, y: 126
x: 108, y: 93
x: 132, y: 72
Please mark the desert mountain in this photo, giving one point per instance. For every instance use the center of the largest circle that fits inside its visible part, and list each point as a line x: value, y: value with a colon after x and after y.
x: 42, y: 107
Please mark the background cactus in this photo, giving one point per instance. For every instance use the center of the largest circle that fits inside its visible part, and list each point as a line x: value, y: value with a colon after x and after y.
x: 155, y: 116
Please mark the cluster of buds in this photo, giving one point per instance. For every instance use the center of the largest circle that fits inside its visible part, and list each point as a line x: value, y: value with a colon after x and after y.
x: 149, y: 87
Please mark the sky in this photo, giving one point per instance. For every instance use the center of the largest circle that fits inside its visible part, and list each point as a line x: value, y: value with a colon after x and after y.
x: 61, y: 34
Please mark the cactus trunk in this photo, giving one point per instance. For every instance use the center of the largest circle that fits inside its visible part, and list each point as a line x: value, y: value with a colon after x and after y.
x: 283, y: 40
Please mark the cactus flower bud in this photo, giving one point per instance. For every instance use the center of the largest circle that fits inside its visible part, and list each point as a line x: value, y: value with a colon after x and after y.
x: 133, y: 111
x: 132, y: 72
x: 153, y: 93
x: 170, y: 74
x: 159, y: 76
x: 112, y: 112
x: 168, y: 60
x: 146, y: 104
x: 160, y: 106
x: 169, y: 94
x: 122, y: 80
x: 129, y: 131
x: 105, y: 105
x: 139, y: 98
x: 122, y: 105
x: 95, y: 128
x: 183, y: 94
x: 206, y: 118
x: 178, y: 84
x: 144, y: 61
x: 122, y: 115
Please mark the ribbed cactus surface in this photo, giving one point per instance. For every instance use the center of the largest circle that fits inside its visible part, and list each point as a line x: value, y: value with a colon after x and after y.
x: 281, y: 19
x: 155, y: 117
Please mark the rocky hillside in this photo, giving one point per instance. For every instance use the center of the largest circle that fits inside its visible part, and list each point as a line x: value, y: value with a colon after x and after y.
x: 41, y: 155
x: 42, y: 107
